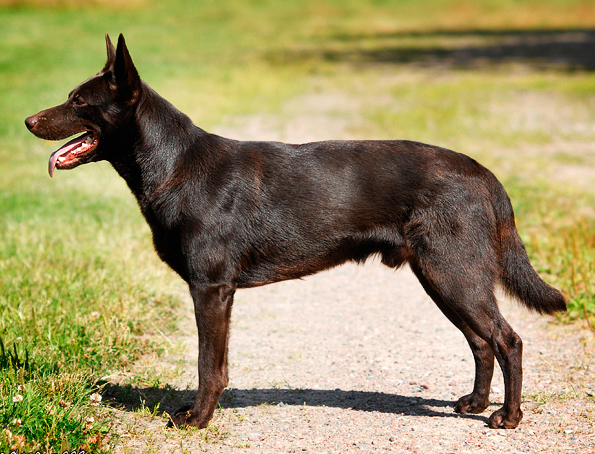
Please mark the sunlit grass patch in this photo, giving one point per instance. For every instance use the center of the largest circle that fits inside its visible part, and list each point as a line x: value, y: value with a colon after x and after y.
x: 45, y: 411
x: 79, y: 300
x: 561, y: 247
x: 119, y: 4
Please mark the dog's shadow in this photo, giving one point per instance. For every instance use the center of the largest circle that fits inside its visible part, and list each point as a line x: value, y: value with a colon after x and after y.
x: 160, y: 400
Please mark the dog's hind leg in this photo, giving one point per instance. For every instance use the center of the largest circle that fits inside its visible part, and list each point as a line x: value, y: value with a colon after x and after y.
x: 478, y: 400
x: 212, y: 306
x: 462, y: 284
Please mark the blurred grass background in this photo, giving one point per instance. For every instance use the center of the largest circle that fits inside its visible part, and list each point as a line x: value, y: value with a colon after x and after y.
x: 509, y: 82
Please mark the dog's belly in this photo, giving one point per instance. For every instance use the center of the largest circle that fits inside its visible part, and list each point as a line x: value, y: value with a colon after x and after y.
x: 286, y: 267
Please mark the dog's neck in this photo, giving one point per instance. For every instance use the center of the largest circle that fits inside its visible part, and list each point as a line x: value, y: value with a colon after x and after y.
x: 163, y: 140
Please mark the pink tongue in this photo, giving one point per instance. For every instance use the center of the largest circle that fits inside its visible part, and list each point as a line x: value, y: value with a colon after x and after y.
x: 75, y: 143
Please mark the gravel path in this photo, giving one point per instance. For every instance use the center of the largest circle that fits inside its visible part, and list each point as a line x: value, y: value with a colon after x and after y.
x: 359, y: 359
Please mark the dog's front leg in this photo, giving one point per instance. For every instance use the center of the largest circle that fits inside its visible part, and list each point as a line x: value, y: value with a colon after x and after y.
x: 212, y: 307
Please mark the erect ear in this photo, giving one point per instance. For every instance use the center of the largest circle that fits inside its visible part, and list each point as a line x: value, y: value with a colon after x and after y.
x: 111, y: 53
x: 124, y: 74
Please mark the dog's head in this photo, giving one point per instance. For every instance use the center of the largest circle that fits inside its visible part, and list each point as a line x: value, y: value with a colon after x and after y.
x: 95, y: 108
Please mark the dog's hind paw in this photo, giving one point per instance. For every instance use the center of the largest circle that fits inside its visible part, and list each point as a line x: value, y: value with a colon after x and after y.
x: 502, y: 419
x: 472, y: 403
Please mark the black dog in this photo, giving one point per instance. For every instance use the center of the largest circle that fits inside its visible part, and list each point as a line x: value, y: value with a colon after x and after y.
x: 227, y: 214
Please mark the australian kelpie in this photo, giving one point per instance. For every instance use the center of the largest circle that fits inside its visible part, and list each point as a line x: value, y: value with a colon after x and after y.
x: 227, y: 214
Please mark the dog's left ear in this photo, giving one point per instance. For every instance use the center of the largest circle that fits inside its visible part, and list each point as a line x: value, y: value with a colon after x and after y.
x: 123, y: 73
x: 111, y: 53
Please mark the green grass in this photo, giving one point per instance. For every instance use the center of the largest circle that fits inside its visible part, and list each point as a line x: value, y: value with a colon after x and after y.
x: 71, y: 302
x: 82, y: 294
x: 562, y: 247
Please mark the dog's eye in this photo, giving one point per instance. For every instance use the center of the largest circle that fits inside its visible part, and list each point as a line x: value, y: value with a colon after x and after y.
x: 78, y: 101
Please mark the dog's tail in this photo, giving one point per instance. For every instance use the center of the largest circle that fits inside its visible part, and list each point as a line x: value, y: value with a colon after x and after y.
x: 519, y: 278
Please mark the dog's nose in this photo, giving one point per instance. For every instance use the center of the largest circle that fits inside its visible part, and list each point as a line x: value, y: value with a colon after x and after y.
x: 31, y: 122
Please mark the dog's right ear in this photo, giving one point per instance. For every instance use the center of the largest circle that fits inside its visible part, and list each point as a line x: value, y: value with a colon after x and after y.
x: 125, y: 73
x: 111, y: 53
x: 121, y: 72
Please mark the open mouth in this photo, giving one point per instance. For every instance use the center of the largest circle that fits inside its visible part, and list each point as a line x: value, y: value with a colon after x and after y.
x: 72, y: 153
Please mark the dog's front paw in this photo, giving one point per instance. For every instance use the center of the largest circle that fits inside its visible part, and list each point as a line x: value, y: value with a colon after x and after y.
x: 502, y: 419
x: 472, y: 403
x: 186, y: 417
